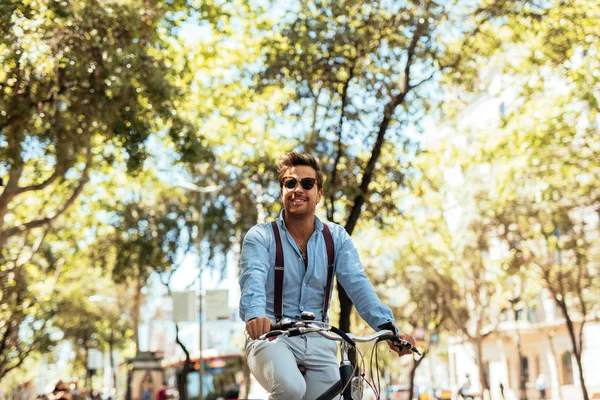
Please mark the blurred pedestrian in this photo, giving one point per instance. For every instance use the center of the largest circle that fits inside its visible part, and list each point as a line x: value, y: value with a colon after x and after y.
x: 60, y: 392
x: 502, y: 389
x: 466, y: 390
x: 75, y: 391
x: 17, y: 392
x: 28, y: 391
x: 162, y: 392
x: 540, y: 385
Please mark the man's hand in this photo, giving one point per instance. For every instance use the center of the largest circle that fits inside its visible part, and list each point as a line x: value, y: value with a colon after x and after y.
x: 399, y: 351
x: 258, y: 326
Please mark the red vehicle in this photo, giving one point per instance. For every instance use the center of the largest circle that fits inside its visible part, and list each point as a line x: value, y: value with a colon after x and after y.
x: 221, y: 378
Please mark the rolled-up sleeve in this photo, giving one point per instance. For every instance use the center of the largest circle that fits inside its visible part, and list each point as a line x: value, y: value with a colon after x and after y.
x: 254, y: 264
x: 351, y: 275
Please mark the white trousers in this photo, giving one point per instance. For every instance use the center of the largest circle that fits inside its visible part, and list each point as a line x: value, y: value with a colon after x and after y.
x: 275, y: 365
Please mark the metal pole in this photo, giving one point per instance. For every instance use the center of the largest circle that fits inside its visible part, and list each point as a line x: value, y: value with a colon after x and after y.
x: 201, y: 234
x: 201, y: 360
x: 202, y: 191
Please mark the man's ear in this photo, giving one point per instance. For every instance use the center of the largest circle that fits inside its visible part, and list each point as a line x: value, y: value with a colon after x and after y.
x: 320, y: 193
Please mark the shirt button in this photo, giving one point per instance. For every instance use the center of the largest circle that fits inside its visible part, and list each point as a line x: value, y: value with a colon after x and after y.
x: 305, y: 284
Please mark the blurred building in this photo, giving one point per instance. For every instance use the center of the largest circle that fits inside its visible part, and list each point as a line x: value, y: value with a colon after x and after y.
x: 530, y: 341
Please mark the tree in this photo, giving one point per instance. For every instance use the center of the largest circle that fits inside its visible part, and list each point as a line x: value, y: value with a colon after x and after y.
x: 542, y: 153
x: 114, y: 327
x: 363, y: 73
x: 100, y: 75
x: 90, y: 314
x: 452, y: 249
x: 552, y: 240
x: 82, y: 87
x: 147, y: 234
x: 24, y: 313
x: 549, y: 148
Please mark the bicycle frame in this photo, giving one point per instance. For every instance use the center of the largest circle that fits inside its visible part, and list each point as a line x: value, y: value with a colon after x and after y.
x: 344, y: 384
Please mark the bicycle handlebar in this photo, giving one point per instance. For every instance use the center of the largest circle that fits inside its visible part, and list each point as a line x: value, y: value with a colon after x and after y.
x: 296, y: 328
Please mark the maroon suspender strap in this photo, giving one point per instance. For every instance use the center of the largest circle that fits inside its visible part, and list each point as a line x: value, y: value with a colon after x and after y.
x: 330, y: 260
x: 279, y: 263
x: 278, y: 300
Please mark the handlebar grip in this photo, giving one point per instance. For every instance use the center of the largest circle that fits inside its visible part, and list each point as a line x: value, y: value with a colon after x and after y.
x: 343, y: 335
x: 272, y: 334
x: 415, y: 350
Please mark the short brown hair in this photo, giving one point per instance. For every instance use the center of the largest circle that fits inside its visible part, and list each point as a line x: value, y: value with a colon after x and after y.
x: 292, y: 159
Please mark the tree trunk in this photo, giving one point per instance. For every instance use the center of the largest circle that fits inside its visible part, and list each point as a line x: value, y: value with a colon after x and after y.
x: 88, y: 376
x: 577, y: 350
x: 555, y: 382
x: 483, y: 378
x: 413, y: 371
x: 581, y: 378
x: 187, y: 366
x: 136, y: 313
x: 522, y: 377
x: 345, y: 312
x: 345, y: 308
x: 14, y: 138
x: 112, y: 364
x: 360, y: 199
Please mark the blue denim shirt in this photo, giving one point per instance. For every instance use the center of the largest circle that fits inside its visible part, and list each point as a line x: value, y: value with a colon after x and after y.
x: 303, y: 289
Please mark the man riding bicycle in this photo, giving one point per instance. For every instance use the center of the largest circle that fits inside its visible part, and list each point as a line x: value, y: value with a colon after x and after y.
x: 310, y: 252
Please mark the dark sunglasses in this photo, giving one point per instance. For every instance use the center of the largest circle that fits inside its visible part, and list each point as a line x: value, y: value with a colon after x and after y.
x: 306, y: 183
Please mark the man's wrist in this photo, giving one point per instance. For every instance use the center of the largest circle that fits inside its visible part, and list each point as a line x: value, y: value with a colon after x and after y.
x: 391, y: 325
x: 251, y: 316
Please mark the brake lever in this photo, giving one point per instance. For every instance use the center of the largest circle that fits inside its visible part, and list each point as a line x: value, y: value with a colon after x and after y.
x: 403, y: 343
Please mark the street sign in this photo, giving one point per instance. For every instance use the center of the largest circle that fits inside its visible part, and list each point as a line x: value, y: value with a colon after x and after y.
x: 94, y: 359
x: 216, y: 304
x: 184, y: 306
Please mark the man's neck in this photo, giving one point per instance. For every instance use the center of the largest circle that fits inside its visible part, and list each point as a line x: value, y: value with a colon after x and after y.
x: 300, y: 226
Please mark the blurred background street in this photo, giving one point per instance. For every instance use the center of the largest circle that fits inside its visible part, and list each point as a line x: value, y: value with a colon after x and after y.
x: 460, y: 143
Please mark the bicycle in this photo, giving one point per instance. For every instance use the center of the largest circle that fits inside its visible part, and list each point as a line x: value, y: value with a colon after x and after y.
x: 349, y: 384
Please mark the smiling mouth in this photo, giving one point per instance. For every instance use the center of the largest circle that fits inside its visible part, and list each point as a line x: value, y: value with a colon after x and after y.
x: 298, y: 202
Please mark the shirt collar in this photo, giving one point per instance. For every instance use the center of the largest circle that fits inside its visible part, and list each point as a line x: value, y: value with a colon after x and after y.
x: 318, y: 223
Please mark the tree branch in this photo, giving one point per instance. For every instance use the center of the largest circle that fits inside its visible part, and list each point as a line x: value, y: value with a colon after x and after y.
x: 40, y: 186
x: 454, y: 316
x: 314, y: 135
x: 339, y: 130
x: 15, y: 172
x: 390, y: 108
x: 5, y: 234
x: 6, y: 335
x: 424, y: 80
x: 467, y: 39
x: 23, y: 354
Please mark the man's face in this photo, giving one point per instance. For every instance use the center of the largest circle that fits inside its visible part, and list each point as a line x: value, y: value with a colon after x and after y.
x: 299, y: 201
